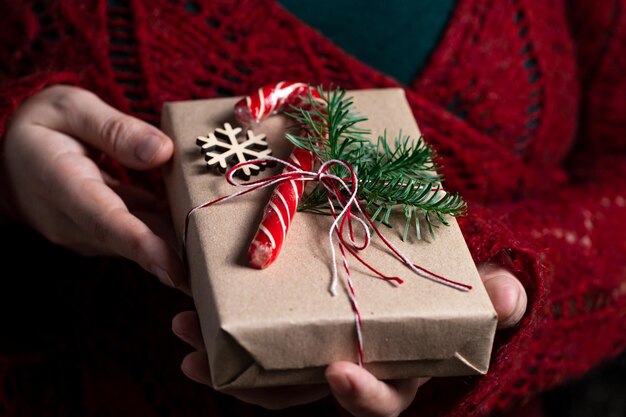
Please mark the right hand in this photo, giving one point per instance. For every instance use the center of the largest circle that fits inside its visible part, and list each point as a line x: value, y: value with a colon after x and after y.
x: 55, y: 186
x: 357, y: 390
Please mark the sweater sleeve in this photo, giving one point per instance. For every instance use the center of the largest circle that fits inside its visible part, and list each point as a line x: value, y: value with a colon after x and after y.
x: 14, y: 92
x: 566, y: 241
x: 38, y: 48
x: 567, y: 246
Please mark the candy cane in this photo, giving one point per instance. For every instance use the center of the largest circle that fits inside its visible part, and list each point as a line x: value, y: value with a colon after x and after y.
x: 273, y: 99
x: 279, y: 211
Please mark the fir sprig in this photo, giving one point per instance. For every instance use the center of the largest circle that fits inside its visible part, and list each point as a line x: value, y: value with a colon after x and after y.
x: 403, y: 175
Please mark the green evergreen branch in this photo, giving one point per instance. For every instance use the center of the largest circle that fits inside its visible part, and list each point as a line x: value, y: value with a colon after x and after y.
x: 405, y: 175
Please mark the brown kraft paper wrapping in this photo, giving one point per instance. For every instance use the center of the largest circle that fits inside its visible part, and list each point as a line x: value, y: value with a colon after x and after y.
x: 280, y: 325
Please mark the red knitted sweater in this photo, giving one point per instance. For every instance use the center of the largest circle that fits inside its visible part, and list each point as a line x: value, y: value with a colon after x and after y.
x: 525, y: 101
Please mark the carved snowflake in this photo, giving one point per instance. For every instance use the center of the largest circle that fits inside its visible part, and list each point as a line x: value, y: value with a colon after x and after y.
x: 222, y: 149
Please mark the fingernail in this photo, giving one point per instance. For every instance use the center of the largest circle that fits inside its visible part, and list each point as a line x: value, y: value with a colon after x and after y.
x: 147, y: 148
x: 163, y: 276
x: 340, y: 384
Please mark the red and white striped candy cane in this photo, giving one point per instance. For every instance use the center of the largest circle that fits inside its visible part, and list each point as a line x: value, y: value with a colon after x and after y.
x: 281, y: 208
x: 273, y: 99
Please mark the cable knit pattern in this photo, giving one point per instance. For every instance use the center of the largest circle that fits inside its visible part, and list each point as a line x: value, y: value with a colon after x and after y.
x: 524, y: 100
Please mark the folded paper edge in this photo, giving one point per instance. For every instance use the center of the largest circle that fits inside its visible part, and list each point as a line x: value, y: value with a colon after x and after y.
x: 467, y: 350
x: 469, y: 364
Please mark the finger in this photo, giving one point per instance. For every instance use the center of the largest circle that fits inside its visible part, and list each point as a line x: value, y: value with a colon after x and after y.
x: 277, y: 398
x: 162, y: 226
x: 138, y: 199
x: 196, y: 366
x: 186, y: 326
x: 100, y: 215
x: 134, y: 143
x: 104, y: 216
x: 363, y: 395
x: 507, y: 294
x: 151, y: 210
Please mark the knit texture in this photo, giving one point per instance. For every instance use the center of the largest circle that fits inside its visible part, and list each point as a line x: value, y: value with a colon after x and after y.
x: 524, y: 101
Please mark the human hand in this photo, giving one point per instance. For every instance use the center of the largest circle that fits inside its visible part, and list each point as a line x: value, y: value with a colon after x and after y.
x: 357, y: 390
x: 56, y: 187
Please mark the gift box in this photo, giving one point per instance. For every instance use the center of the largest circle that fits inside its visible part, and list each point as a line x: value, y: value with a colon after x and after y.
x: 281, y: 325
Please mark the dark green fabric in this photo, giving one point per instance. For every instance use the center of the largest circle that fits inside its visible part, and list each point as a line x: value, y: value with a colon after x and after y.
x: 394, y: 36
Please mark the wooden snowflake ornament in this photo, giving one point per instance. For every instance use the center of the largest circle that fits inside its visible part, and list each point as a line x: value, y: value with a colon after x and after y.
x: 222, y: 150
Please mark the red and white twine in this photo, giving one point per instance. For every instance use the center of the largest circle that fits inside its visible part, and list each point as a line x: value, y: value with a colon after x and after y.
x: 336, y: 189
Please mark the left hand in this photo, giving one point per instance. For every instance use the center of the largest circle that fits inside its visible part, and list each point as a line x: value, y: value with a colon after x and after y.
x: 53, y: 182
x: 357, y: 390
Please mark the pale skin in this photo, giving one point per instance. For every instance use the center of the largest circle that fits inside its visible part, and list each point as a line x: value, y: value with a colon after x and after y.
x: 54, y: 184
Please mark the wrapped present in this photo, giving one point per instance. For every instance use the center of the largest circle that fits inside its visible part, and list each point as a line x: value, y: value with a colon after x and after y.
x: 280, y: 325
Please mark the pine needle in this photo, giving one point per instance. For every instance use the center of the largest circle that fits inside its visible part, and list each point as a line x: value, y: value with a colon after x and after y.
x: 404, y: 175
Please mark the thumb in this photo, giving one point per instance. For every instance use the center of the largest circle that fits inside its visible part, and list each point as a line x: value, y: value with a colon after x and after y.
x: 136, y: 144
x: 506, y: 293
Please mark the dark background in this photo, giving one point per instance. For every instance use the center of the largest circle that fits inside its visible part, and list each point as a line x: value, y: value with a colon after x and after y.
x: 601, y: 393
x: 67, y: 329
